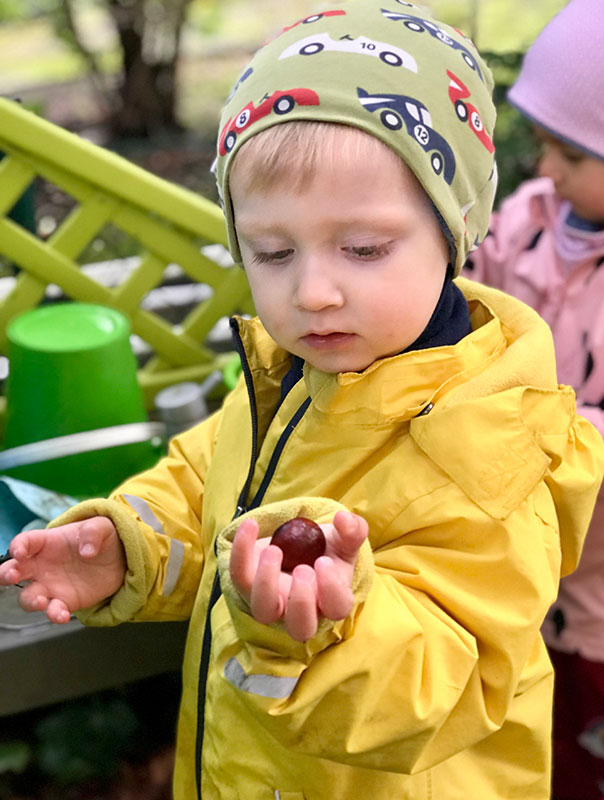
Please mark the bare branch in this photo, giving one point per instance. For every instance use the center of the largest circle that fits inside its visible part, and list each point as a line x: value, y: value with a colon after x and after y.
x: 95, y: 72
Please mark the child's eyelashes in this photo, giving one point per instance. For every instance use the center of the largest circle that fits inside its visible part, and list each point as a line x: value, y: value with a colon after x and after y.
x: 368, y: 252
x: 365, y: 252
x: 570, y: 155
x: 271, y: 257
x: 573, y: 156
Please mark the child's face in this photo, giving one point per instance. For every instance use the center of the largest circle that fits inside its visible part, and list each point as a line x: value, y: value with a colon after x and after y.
x: 578, y: 178
x: 348, y: 269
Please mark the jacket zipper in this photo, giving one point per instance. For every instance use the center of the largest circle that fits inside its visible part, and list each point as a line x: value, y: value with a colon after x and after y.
x: 242, y: 507
x: 249, y: 382
x: 276, y: 454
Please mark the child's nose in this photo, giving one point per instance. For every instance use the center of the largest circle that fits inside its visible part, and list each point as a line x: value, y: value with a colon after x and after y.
x: 550, y: 164
x: 316, y: 287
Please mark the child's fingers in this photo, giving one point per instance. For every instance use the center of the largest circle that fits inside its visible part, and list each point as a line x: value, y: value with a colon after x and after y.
x: 301, y: 610
x: 92, y: 533
x: 57, y: 611
x: 28, y: 544
x: 352, y: 531
x: 242, y: 564
x: 334, y: 596
x: 266, y: 603
x: 11, y: 573
x: 34, y: 597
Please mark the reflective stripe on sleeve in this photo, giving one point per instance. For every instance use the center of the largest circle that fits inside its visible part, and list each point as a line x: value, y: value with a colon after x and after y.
x: 177, y: 548
x: 177, y: 556
x: 142, y: 509
x: 271, y: 686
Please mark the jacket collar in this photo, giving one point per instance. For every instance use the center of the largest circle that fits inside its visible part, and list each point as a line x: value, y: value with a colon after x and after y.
x: 395, y: 388
x: 503, y: 371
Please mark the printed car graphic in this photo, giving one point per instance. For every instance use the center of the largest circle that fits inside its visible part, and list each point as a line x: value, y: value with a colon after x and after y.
x: 279, y: 102
x: 314, y: 18
x: 389, y: 54
x: 398, y: 110
x: 467, y: 112
x: 243, y: 77
x: 305, y: 21
x: 419, y: 25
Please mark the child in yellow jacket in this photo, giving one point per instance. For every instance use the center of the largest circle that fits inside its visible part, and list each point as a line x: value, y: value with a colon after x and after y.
x: 416, y: 417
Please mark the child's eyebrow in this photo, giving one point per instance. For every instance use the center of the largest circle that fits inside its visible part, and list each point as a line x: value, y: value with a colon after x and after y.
x: 249, y: 229
x: 548, y: 138
x: 253, y: 230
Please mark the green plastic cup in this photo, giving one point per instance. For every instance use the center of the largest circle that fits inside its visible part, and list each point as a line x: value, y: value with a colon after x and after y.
x: 72, y: 369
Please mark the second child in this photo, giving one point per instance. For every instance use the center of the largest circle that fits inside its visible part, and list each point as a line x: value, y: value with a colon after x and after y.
x: 546, y: 246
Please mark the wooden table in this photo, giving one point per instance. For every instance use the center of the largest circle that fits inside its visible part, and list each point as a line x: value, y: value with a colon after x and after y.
x: 42, y: 663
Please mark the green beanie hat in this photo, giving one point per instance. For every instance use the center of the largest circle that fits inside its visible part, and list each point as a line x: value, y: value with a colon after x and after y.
x: 387, y: 68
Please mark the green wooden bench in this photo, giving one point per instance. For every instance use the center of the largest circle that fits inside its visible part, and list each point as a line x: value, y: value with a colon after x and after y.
x: 171, y: 224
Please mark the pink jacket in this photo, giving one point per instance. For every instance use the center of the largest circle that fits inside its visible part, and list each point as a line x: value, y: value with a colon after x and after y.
x: 521, y: 256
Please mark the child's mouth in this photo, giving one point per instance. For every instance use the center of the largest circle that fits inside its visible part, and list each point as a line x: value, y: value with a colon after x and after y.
x: 327, y: 341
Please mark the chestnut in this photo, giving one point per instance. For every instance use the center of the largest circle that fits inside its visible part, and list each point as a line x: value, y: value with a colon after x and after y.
x: 301, y: 540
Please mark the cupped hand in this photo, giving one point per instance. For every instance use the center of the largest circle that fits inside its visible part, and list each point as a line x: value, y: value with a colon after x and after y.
x: 299, y: 598
x: 68, y: 568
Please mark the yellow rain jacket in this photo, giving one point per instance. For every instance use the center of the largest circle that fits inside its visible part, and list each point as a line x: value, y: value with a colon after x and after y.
x: 478, y: 481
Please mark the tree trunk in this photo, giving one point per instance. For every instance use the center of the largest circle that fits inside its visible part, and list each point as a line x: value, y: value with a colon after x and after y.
x: 149, y: 35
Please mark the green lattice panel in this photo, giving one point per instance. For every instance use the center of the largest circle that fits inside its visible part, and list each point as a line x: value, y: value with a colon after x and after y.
x: 170, y: 224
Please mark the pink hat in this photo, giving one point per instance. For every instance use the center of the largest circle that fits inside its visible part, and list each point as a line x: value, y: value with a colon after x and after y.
x: 561, y: 84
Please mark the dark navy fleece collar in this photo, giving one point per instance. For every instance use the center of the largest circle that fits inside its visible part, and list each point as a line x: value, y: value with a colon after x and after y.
x: 450, y: 320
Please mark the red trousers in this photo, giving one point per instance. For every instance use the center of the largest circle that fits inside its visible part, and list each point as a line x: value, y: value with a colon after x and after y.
x: 578, y: 756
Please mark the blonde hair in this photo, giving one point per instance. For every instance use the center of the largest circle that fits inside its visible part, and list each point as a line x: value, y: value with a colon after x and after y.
x: 292, y: 153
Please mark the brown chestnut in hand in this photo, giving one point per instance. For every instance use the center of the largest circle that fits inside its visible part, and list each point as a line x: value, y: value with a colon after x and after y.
x: 301, y: 540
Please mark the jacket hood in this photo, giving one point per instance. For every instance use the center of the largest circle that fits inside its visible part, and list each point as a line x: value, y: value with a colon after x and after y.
x: 494, y: 418
x: 518, y: 427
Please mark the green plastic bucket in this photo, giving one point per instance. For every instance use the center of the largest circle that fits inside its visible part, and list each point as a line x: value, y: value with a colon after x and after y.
x: 72, y: 369
x: 231, y: 372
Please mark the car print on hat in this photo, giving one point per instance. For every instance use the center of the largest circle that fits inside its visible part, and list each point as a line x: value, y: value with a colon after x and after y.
x: 306, y: 21
x: 467, y: 112
x: 388, y: 53
x: 243, y: 77
x: 314, y: 18
x: 398, y: 110
x: 281, y: 102
x: 420, y: 25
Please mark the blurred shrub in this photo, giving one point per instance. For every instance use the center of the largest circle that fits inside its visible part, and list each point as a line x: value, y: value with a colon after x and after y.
x: 80, y: 748
x: 24, y: 9
x: 85, y: 740
x: 14, y: 756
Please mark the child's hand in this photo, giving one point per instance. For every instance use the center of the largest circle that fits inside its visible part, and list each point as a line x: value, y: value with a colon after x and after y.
x: 300, y: 597
x: 70, y: 567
